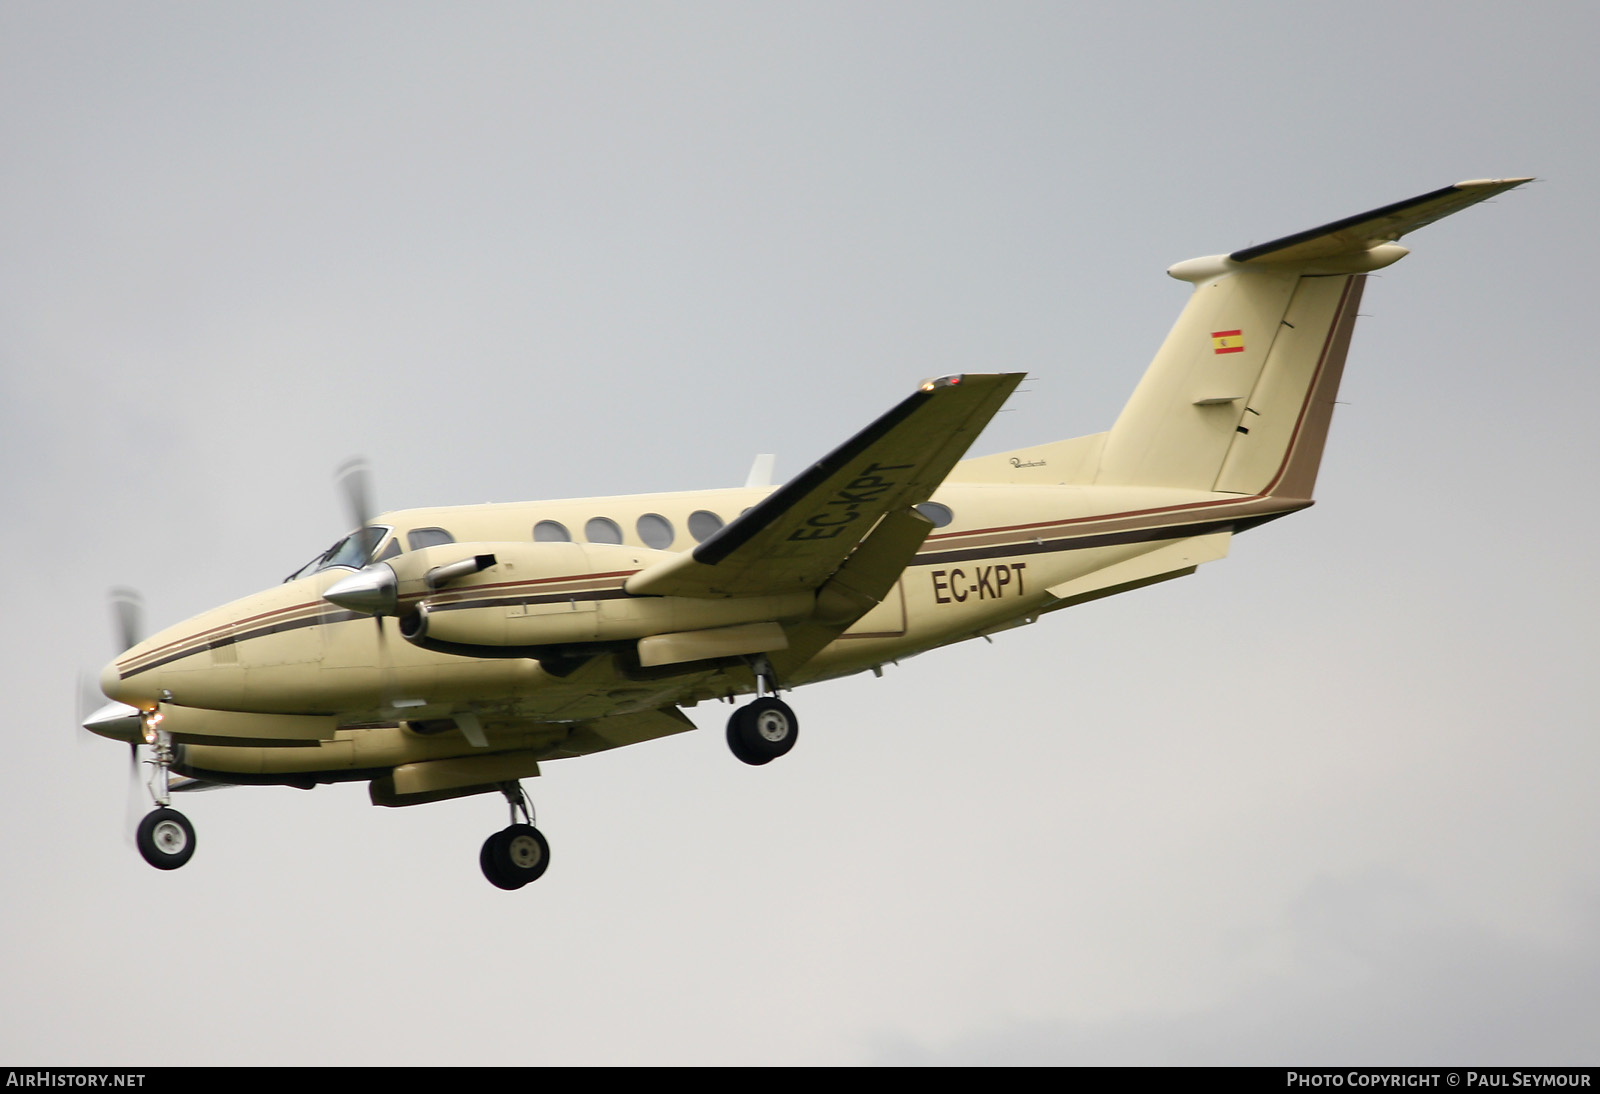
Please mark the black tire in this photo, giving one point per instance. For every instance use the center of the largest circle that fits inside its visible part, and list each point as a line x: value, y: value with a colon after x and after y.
x: 486, y: 860
x: 514, y: 856
x: 761, y: 731
x: 736, y: 745
x: 165, y: 839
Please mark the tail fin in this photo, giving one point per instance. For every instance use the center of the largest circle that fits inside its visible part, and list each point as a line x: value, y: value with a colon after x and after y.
x: 1239, y: 397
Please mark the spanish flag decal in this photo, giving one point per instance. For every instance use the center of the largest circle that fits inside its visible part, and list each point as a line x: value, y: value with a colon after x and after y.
x: 1227, y: 341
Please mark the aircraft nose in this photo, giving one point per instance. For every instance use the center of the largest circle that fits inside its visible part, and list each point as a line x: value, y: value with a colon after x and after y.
x: 111, y: 684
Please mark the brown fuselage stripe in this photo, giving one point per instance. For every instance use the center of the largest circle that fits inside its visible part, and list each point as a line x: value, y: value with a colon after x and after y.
x: 1079, y: 543
x: 313, y: 613
x: 616, y: 592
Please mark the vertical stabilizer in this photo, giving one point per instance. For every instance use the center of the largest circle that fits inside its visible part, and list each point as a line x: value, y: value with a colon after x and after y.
x: 1182, y: 418
x: 1239, y: 397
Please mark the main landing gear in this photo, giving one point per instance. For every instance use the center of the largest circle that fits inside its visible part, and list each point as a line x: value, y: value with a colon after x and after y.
x: 165, y: 837
x: 761, y: 731
x: 516, y: 855
x: 765, y: 728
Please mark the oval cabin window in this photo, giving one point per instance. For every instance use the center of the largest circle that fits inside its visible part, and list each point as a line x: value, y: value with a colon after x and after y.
x: 703, y: 524
x: 602, y: 530
x: 655, y: 530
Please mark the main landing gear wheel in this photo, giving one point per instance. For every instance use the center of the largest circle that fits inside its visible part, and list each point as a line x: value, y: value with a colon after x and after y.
x: 514, y: 856
x: 761, y: 731
x: 166, y: 839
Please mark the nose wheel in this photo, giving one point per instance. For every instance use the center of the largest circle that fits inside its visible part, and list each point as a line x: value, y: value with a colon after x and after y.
x: 518, y: 854
x: 165, y: 839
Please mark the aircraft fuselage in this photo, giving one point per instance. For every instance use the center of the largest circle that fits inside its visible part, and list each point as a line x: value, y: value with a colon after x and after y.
x: 1008, y: 554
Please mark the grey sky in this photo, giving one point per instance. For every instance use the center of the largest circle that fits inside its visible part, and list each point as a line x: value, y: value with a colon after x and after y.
x: 1329, y: 800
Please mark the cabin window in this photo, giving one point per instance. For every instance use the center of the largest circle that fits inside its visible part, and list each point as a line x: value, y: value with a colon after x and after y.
x: 602, y: 530
x: 703, y: 524
x: 939, y: 514
x: 656, y: 531
x: 419, y: 538
x: 389, y: 551
x: 551, y: 531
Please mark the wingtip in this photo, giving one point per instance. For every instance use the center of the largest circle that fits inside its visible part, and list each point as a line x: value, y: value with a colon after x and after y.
x: 971, y: 378
x: 1475, y: 184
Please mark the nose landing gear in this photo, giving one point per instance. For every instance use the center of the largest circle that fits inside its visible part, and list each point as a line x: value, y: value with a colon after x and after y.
x: 518, y: 854
x: 165, y: 837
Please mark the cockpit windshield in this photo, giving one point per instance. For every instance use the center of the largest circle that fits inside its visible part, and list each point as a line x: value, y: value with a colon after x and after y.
x: 353, y: 552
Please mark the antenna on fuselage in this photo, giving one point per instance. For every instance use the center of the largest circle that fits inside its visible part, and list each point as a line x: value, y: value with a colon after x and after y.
x: 761, y: 471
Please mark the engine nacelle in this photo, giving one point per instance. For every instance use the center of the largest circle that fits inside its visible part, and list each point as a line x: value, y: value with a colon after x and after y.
x: 514, y: 596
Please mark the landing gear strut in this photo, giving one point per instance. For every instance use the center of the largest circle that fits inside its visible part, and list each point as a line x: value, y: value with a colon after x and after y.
x: 765, y: 728
x: 518, y: 854
x: 165, y: 837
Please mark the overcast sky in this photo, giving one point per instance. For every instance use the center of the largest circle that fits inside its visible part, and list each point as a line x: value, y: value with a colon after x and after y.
x: 1331, y: 800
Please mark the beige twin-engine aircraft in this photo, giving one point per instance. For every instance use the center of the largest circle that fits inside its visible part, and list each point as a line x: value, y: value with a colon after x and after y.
x: 438, y: 653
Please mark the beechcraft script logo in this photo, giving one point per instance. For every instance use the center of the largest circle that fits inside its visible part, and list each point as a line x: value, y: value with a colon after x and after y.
x: 1227, y: 341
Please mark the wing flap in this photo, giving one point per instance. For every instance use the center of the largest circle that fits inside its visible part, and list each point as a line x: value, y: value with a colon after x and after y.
x: 599, y: 734
x: 797, y: 536
x: 860, y: 585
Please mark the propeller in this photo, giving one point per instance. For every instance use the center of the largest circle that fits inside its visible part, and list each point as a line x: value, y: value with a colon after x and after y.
x: 354, y: 479
x: 127, y: 614
x: 97, y: 716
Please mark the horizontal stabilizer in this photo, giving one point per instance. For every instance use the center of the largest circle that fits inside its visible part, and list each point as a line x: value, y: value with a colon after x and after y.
x: 1173, y: 560
x: 1362, y: 232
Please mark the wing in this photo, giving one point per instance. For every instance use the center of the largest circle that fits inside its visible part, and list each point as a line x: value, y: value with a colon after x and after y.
x: 799, y: 535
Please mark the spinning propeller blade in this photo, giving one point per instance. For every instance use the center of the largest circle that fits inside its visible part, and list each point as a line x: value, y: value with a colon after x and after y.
x: 354, y: 479
x: 127, y: 613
